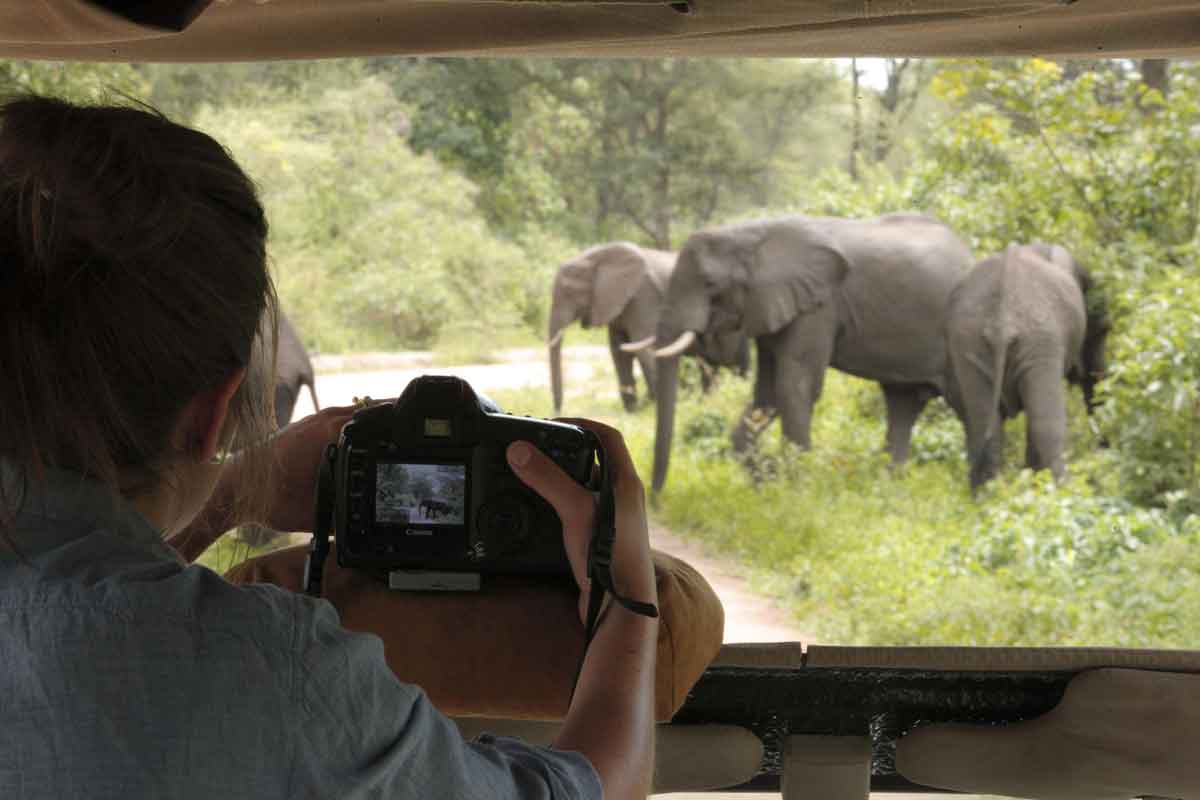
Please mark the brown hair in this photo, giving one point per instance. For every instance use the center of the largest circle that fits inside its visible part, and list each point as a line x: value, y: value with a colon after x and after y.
x: 132, y: 277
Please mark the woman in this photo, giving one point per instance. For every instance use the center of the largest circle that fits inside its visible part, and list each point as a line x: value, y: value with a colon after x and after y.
x: 132, y: 282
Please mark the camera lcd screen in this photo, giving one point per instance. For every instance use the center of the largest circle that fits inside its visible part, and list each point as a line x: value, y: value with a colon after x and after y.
x: 425, y: 494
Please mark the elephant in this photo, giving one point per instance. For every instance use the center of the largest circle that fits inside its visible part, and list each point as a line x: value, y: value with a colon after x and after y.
x: 432, y: 509
x: 1016, y: 326
x: 293, y: 369
x: 865, y: 296
x: 620, y: 285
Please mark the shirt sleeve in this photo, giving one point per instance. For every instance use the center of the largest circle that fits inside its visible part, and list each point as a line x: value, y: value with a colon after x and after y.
x: 360, y: 732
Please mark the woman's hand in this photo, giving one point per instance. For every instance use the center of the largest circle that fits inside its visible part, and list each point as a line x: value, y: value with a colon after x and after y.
x: 611, y: 718
x: 298, y: 450
x: 633, y: 571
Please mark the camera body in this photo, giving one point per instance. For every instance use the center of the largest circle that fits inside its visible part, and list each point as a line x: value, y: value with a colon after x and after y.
x: 423, y: 483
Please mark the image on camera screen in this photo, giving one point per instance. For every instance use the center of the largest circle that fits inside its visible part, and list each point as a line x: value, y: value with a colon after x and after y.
x: 420, y: 493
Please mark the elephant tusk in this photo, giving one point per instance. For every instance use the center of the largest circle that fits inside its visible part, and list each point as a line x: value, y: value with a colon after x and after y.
x: 678, y: 346
x: 640, y: 344
x: 556, y: 339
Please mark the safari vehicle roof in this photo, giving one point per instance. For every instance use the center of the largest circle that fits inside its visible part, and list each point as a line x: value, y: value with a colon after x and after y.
x: 245, y: 30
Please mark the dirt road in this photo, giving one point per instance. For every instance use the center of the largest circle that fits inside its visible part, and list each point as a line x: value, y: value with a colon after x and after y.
x: 749, y: 617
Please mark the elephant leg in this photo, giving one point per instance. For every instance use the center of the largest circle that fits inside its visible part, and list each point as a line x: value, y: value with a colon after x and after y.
x: 761, y: 409
x: 285, y: 402
x: 1043, y: 394
x: 647, y: 363
x: 804, y: 351
x: 905, y: 402
x: 623, y: 362
x: 708, y: 375
x: 973, y: 399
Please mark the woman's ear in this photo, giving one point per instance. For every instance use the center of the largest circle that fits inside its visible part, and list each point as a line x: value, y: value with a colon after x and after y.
x: 199, y: 431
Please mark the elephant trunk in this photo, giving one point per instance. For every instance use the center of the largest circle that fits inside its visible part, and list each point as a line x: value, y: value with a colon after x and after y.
x: 666, y: 388
x: 562, y: 314
x: 556, y: 382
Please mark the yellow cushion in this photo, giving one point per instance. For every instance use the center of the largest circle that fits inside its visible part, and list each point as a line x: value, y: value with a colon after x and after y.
x: 512, y: 648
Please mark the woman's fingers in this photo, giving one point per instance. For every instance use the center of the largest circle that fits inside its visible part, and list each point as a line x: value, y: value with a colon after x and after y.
x: 573, y: 503
x: 626, y: 483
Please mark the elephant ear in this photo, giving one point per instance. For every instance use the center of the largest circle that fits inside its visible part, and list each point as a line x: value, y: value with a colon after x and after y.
x: 619, y: 271
x: 794, y: 271
x: 573, y: 283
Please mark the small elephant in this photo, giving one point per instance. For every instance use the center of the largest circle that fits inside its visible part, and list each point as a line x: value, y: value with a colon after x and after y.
x: 293, y: 369
x: 620, y: 285
x: 432, y: 509
x: 865, y: 296
x: 1016, y: 326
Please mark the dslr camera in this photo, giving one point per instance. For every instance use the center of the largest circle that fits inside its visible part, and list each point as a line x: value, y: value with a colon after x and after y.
x: 422, y: 486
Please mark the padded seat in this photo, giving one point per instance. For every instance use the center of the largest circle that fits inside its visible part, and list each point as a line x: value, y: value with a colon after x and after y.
x: 511, y: 649
x: 1048, y: 723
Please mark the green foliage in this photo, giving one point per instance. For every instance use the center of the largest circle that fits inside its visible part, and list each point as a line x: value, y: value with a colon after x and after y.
x: 518, y: 164
x: 636, y: 149
x: 75, y: 81
x: 1153, y: 411
x: 868, y: 554
x: 374, y: 247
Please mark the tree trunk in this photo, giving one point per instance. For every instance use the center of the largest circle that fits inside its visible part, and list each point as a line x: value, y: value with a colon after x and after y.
x: 1156, y: 74
x: 662, y: 214
x: 856, y: 124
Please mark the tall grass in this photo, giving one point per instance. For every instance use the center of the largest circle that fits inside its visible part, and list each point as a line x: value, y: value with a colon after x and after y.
x: 865, y: 553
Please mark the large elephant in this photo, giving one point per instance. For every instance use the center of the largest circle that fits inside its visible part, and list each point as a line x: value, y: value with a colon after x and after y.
x: 867, y: 297
x: 1016, y: 326
x: 293, y: 369
x: 619, y: 285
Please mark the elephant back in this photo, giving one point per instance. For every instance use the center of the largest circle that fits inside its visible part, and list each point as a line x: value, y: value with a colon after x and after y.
x: 893, y: 303
x: 1042, y: 298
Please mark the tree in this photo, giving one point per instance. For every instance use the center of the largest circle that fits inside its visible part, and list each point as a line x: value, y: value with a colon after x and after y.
x: 421, y: 487
x: 614, y: 149
x: 905, y: 80
x: 78, y: 82
x: 373, y: 246
x: 856, y: 127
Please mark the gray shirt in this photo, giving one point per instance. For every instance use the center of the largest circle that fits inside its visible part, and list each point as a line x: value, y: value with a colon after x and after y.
x: 125, y: 673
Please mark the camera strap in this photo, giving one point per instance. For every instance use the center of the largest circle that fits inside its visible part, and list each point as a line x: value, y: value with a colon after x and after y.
x: 599, y: 564
x: 314, y: 563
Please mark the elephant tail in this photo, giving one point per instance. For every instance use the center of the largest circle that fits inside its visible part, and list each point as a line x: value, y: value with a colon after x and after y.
x: 1000, y: 343
x: 999, y: 359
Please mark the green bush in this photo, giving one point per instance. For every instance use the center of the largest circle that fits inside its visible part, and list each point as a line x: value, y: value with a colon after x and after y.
x: 375, y: 247
x: 1152, y: 413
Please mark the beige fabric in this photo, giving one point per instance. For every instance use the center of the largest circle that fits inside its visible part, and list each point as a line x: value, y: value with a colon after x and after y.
x: 256, y: 30
x: 512, y: 648
x: 826, y: 768
x: 56, y: 21
x: 687, y: 758
x: 1116, y: 734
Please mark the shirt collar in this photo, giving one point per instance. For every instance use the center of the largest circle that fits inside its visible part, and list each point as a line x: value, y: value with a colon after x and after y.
x: 66, y: 506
